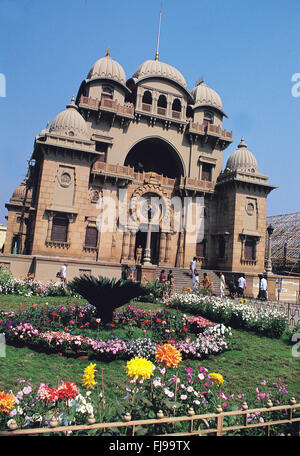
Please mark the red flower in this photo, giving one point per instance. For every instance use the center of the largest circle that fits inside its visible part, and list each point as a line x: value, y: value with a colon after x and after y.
x: 54, y: 314
x: 67, y: 390
x: 34, y: 305
x: 185, y: 329
x: 22, y: 307
x: 112, y: 325
x: 66, y: 329
x: 158, y: 320
x: 146, y: 321
x: 87, y: 323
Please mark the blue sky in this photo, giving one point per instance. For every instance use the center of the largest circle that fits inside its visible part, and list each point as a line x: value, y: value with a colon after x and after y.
x: 246, y: 51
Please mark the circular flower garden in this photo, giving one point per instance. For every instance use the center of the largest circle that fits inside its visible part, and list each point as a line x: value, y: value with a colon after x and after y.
x: 156, y: 348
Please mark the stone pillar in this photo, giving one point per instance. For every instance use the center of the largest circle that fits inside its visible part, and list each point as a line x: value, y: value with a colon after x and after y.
x: 162, y: 247
x: 49, y: 228
x: 271, y: 281
x: 147, y: 257
x: 125, y: 247
x: 132, y: 245
x: 167, y: 255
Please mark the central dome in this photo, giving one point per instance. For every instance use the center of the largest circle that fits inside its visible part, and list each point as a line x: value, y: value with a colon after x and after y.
x: 155, y: 68
x: 107, y: 68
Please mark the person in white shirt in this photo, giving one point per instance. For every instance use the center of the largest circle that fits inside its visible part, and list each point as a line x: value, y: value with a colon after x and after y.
x: 241, y: 286
x: 193, y: 265
x: 222, y: 285
x: 63, y: 273
x: 263, y: 289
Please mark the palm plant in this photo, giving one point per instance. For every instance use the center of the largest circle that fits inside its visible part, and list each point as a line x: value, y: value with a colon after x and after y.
x: 105, y: 294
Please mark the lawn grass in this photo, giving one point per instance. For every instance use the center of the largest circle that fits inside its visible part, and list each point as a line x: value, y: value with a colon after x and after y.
x: 252, y: 360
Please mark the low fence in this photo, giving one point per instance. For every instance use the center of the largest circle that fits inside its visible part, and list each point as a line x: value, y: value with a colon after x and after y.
x: 199, y: 425
x: 292, y: 311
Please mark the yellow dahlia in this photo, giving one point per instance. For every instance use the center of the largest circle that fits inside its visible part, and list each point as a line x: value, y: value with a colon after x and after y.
x: 88, y: 379
x: 139, y: 368
x: 168, y: 355
x: 7, y: 402
x: 217, y: 379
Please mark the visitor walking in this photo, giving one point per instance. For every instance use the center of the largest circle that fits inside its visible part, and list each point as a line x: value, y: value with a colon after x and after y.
x: 263, y: 289
x: 171, y: 282
x: 242, y: 285
x: 193, y: 265
x: 195, y: 280
x: 205, y: 280
x: 162, y: 277
x: 63, y: 273
x: 222, y: 285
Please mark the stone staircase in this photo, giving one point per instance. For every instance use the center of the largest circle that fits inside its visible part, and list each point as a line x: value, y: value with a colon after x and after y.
x: 183, y: 278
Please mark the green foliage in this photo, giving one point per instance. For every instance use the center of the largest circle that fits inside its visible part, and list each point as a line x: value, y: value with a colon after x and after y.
x: 155, y: 291
x: 106, y: 294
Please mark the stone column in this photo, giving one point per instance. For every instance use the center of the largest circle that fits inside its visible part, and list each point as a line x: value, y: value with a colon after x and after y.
x: 125, y: 247
x: 132, y: 244
x: 147, y: 257
x: 49, y: 228
x: 162, y: 247
x: 167, y: 255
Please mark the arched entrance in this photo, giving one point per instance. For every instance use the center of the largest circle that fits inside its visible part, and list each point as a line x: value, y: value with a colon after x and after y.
x: 156, y: 155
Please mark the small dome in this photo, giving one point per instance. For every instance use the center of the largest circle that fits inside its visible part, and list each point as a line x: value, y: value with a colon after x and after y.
x: 205, y: 96
x: 107, y: 68
x: 20, y: 191
x: 69, y: 122
x: 242, y: 160
x: 155, y: 68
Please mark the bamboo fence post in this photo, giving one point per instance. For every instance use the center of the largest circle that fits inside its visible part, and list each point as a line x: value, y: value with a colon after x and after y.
x: 219, y: 410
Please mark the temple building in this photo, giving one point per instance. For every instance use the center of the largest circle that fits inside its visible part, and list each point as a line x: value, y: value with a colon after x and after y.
x: 144, y: 136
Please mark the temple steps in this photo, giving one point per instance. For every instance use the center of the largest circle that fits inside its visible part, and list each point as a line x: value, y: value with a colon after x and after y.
x: 183, y: 277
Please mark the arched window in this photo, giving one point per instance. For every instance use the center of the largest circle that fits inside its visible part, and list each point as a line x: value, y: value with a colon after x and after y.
x: 107, y: 92
x: 59, y: 232
x: 176, y: 108
x: 162, y: 105
x: 147, y: 101
x: 189, y: 112
x: 208, y: 118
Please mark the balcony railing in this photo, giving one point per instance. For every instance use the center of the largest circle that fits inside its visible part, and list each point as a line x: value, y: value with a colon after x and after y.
x: 203, y: 129
x: 189, y: 182
x: 161, y: 111
x: 108, y: 104
x: 146, y: 107
x: 176, y: 114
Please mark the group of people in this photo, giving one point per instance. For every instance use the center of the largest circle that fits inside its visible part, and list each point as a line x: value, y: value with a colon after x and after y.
x: 205, y: 282
x: 169, y: 280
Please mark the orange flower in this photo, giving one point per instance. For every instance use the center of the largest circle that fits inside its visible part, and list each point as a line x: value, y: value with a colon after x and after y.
x: 7, y: 402
x: 168, y: 355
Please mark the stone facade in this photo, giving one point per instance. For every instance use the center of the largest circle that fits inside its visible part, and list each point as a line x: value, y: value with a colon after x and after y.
x: 148, y: 136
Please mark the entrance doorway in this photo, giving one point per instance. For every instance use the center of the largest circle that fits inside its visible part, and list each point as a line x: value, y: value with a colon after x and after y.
x: 141, y: 239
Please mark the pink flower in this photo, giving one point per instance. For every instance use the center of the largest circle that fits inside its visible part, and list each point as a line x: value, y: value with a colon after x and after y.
x: 72, y: 322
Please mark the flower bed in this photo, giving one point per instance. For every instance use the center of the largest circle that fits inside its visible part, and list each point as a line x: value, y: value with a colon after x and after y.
x: 153, y: 390
x: 30, y: 287
x: 267, y: 322
x: 54, y: 330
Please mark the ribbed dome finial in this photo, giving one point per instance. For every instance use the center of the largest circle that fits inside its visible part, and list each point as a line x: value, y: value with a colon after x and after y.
x: 242, y: 159
x: 242, y: 143
x: 107, y: 53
